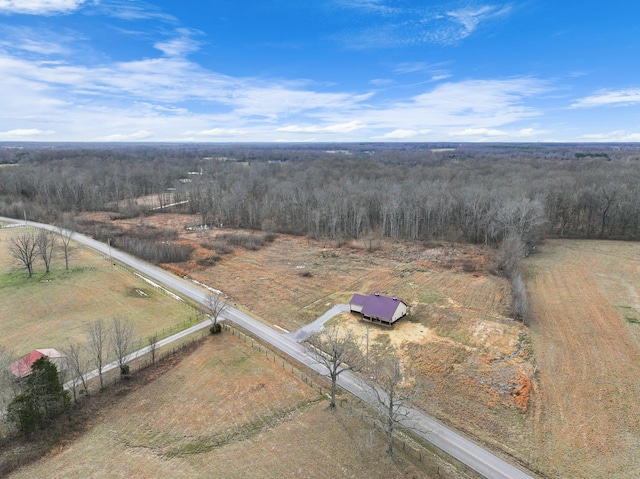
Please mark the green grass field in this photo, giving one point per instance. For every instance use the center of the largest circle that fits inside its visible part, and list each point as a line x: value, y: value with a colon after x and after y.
x: 49, y: 310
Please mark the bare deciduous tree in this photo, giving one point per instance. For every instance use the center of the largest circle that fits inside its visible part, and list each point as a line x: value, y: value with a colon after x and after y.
x: 46, y: 246
x: 78, y: 366
x: 216, y: 305
x: 120, y: 341
x: 96, y: 342
x: 519, y: 298
x: 510, y: 254
x: 392, y: 391
x: 65, y: 240
x: 153, y: 346
x: 338, y: 351
x: 24, y: 248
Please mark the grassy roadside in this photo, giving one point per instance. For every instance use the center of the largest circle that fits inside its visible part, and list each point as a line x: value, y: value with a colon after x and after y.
x: 49, y: 310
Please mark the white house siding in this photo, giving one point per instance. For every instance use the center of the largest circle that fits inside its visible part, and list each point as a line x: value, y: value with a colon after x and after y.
x: 401, y: 311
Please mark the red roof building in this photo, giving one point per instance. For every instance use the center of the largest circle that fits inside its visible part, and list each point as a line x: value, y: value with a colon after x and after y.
x: 22, y: 367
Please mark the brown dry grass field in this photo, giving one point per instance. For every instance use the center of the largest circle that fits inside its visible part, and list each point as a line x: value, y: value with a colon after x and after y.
x: 586, y: 339
x: 458, y: 335
x: 560, y: 396
x: 48, y: 311
x: 224, y: 411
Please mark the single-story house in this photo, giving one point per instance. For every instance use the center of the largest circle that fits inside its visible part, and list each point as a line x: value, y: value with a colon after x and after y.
x: 378, y: 309
x: 22, y: 367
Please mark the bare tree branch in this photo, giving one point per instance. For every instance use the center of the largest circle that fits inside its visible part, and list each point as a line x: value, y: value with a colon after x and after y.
x: 216, y: 305
x: 46, y: 246
x: 96, y: 339
x: 392, y: 391
x: 120, y: 341
x: 65, y: 239
x: 78, y: 364
x: 153, y: 346
x: 24, y: 248
x: 337, y: 351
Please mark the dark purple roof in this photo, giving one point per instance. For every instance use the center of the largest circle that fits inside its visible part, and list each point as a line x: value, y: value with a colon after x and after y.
x: 377, y: 306
x: 359, y: 299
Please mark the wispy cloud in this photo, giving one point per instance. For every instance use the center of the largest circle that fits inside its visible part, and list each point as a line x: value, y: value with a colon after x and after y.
x: 41, y: 41
x: 151, y: 99
x: 621, y: 136
x: 492, y: 134
x: 137, y: 136
x: 470, y: 17
x: 401, y: 26
x: 402, y: 134
x: 170, y: 97
x: 217, y: 133
x: 132, y: 10
x: 21, y: 134
x: 180, y: 45
x: 339, y: 128
x: 40, y: 7
x: 625, y: 97
x: 369, y: 6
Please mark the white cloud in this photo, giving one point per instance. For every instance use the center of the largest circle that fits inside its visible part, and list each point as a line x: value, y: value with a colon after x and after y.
x: 403, y: 26
x: 471, y: 17
x: 132, y: 10
x: 179, y: 46
x: 436, y: 71
x: 369, y: 6
x: 618, y: 136
x: 138, y: 135
x: 170, y: 98
x: 39, y: 7
x: 399, y: 134
x: 624, y: 97
x: 339, y: 128
x: 24, y: 134
x: 478, y: 132
x: 38, y: 42
x: 217, y: 132
x: 468, y: 104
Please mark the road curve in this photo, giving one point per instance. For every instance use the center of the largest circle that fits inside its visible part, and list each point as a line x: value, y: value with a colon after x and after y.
x: 467, y: 452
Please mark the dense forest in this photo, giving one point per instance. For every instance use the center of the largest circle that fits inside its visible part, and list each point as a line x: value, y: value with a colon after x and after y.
x: 479, y: 193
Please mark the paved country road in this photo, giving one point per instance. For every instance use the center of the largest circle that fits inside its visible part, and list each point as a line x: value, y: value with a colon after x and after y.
x: 467, y: 452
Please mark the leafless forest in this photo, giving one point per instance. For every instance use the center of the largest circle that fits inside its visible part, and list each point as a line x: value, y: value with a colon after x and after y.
x: 472, y: 192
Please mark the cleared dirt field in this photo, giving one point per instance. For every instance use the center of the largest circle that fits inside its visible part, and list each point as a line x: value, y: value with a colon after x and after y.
x: 586, y: 341
x: 223, y: 412
x: 47, y: 311
x: 457, y: 336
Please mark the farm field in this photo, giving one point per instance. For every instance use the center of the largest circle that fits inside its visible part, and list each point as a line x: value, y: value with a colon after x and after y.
x: 586, y: 338
x: 48, y: 311
x: 224, y: 411
x: 458, y: 335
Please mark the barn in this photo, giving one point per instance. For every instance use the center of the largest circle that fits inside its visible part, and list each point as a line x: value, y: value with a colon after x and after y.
x: 378, y: 308
x: 22, y: 367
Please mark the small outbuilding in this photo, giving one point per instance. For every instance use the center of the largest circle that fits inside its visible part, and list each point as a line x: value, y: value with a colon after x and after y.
x: 378, y: 309
x: 22, y: 367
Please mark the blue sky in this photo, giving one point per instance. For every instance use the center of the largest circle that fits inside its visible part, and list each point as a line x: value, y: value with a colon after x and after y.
x: 319, y: 71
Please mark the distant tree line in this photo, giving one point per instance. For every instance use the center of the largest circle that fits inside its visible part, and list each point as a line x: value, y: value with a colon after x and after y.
x: 474, y: 193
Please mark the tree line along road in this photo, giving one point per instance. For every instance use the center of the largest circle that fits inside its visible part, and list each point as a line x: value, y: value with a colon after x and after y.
x: 472, y: 455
